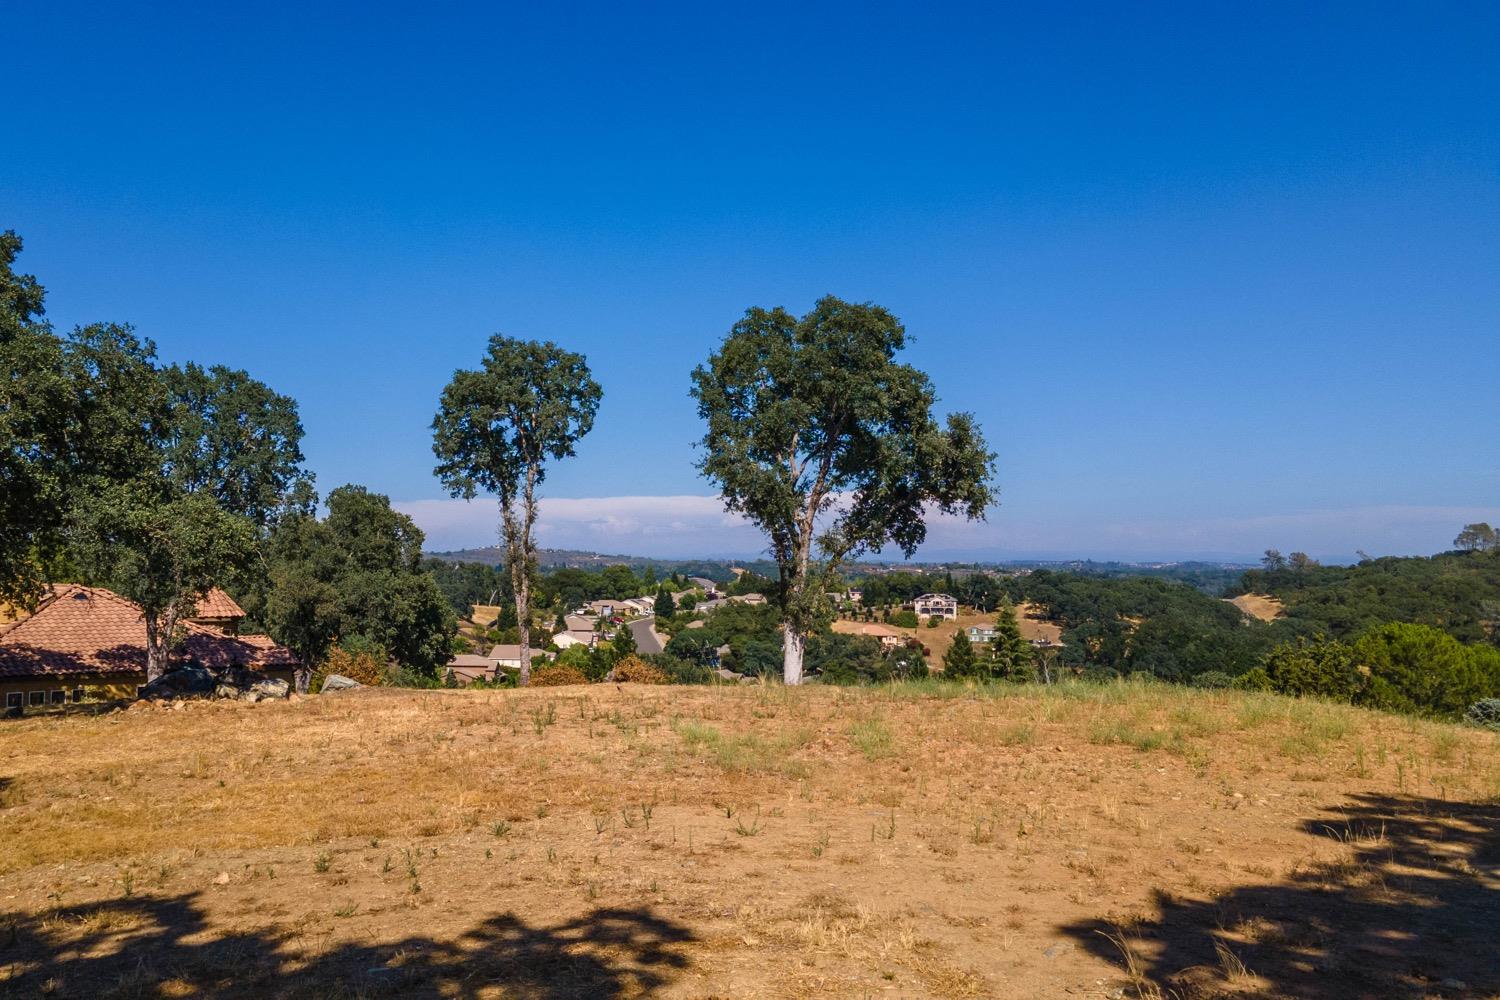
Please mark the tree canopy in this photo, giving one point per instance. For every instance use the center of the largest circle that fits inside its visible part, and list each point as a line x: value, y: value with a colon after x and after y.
x: 496, y: 428
x: 829, y: 445
x: 357, y: 576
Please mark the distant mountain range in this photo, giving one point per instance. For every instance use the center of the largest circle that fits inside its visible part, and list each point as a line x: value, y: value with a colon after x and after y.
x: 723, y: 569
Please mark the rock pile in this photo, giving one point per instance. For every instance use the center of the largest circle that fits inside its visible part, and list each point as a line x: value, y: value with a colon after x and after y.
x: 235, y: 683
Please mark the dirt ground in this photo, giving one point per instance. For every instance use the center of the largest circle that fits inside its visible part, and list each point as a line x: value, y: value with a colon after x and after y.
x: 1262, y: 606
x: 920, y: 841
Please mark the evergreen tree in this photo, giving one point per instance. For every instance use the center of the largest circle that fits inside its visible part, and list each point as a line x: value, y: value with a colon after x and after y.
x: 1010, y: 654
x: 960, y: 660
x: 665, y: 606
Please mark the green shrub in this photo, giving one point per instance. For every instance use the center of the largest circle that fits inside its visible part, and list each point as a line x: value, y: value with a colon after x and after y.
x: 903, y: 619
x: 681, y: 671
x: 1318, y: 668
x: 1213, y: 680
x: 1254, y: 679
x: 1484, y: 713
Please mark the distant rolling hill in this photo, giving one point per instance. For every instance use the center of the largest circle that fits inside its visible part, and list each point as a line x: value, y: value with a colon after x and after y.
x: 721, y: 570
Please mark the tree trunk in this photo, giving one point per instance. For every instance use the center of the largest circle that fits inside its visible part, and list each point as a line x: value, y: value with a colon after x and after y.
x: 793, y: 644
x: 158, y: 644
x: 523, y: 617
x: 303, y: 677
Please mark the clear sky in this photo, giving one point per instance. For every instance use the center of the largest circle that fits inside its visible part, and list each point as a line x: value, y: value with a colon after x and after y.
x: 1213, y: 276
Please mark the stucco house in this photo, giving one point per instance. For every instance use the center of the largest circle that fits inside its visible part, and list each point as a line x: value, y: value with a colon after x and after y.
x: 889, y: 637
x: 936, y: 606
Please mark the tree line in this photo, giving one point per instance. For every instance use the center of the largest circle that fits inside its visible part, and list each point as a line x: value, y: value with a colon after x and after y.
x: 161, y: 481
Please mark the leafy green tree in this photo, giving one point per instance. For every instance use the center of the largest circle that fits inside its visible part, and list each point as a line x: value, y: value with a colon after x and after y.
x: 357, y: 577
x: 162, y: 550
x: 665, y: 607
x: 623, y: 643
x: 1320, y: 668
x: 232, y: 437
x: 495, y: 430
x: 620, y: 582
x: 1479, y: 537
x: 695, y: 645
x: 35, y: 411
x: 77, y: 415
x: 960, y: 660
x: 813, y: 424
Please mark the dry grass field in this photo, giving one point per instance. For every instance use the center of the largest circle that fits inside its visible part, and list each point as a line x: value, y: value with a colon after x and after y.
x: 915, y: 841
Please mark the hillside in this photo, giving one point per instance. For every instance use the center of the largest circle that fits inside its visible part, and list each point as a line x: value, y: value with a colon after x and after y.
x: 1458, y: 592
x: 613, y: 841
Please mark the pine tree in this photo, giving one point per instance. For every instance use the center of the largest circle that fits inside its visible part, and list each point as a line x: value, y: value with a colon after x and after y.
x: 960, y: 660
x: 1010, y: 655
x: 665, y: 606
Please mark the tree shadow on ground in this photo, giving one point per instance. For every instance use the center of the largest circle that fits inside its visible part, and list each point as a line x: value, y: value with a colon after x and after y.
x: 165, y: 947
x: 1409, y: 909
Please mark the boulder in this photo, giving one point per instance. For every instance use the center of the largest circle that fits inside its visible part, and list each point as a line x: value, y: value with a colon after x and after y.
x: 182, y: 681
x: 338, y: 682
x: 270, y: 687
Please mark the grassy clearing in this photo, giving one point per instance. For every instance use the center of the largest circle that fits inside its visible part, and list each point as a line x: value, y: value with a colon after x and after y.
x: 930, y: 838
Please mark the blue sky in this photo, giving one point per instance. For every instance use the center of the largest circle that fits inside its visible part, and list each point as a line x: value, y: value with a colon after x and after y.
x: 1214, y: 277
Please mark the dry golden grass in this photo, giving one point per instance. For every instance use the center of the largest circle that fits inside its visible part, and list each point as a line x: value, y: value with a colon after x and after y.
x: 921, y: 840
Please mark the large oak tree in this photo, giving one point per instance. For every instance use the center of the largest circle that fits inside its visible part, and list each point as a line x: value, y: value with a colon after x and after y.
x: 496, y: 428
x: 829, y: 445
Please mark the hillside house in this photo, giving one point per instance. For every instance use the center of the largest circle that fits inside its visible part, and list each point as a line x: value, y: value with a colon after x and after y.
x: 570, y: 638
x: 981, y: 634
x: 89, y: 644
x: 889, y: 637
x: 466, y: 668
x: 507, y: 656
x: 936, y: 606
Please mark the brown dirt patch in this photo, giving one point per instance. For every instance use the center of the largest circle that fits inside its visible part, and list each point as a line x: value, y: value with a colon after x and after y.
x: 923, y: 841
x: 1262, y: 606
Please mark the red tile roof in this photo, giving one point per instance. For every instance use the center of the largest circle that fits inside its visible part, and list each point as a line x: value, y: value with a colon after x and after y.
x: 217, y: 604
x: 86, y: 630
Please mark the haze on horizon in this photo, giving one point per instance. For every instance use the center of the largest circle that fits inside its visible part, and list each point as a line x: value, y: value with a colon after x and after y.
x: 1212, y: 280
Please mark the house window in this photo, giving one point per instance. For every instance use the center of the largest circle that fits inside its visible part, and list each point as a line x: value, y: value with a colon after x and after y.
x: 14, y: 699
x: 140, y: 689
x: 36, y: 698
x: 59, y: 696
x: 77, y: 695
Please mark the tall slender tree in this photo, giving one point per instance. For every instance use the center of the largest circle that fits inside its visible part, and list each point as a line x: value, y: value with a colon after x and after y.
x: 495, y: 430
x: 829, y: 445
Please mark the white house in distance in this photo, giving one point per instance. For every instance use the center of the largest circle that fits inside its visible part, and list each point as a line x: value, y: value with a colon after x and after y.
x: 936, y: 606
x: 981, y: 633
x: 567, y: 640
